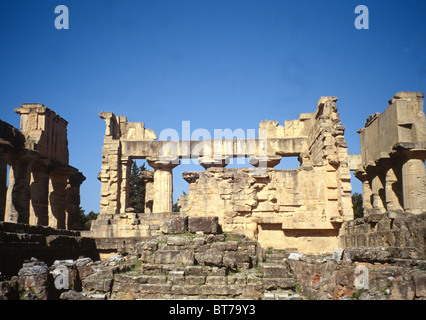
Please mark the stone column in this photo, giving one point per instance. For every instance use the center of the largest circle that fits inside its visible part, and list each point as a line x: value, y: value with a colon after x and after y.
x: 366, y: 190
x: 366, y: 196
x: 72, y: 207
x: 110, y: 175
x: 58, y: 180
x: 413, y: 185
x: 126, y: 164
x: 148, y: 179
x: 392, y: 191
x: 163, y: 185
x: 18, y: 192
x: 378, y: 192
x: 39, y: 188
x: 3, y: 184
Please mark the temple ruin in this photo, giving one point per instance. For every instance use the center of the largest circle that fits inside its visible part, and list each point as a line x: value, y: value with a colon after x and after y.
x: 288, y: 234
x: 392, y: 161
x: 302, y: 208
x: 43, y: 188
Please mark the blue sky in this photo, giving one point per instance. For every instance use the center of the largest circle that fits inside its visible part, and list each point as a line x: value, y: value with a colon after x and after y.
x: 219, y: 64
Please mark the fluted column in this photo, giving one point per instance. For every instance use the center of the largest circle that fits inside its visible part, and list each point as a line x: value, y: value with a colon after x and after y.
x: 72, y: 207
x: 392, y: 190
x: 39, y: 189
x: 125, y: 164
x: 414, y: 185
x: 148, y: 178
x: 18, y: 192
x: 163, y: 185
x: 3, y: 184
x: 58, y: 180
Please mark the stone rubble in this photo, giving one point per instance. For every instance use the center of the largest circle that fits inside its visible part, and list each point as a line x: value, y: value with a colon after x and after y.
x: 227, y: 267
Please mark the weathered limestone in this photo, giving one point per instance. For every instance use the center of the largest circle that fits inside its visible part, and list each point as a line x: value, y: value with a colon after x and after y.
x: 72, y: 207
x: 148, y: 178
x: 43, y: 187
x: 39, y: 187
x: 116, y: 163
x: 163, y: 185
x: 393, y: 153
x: 300, y: 208
x: 18, y: 192
x: 391, y: 229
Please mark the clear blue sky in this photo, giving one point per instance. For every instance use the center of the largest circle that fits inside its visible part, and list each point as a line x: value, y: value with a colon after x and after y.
x: 220, y: 64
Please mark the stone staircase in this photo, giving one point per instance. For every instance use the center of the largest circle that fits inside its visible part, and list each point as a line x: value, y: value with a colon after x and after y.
x: 279, y: 282
x: 195, y: 266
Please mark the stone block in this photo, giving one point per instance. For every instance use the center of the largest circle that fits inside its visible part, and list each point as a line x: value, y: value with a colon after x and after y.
x: 237, y: 279
x: 173, y: 225
x: 155, y: 288
x: 420, y: 285
x: 275, y: 271
x: 166, y: 257
x: 219, y: 290
x: 186, y: 290
x: 195, y: 271
x: 204, y: 224
x: 216, y: 280
x: 195, y: 280
x: 279, y: 283
x: 210, y: 257
x: 186, y: 258
x: 225, y: 246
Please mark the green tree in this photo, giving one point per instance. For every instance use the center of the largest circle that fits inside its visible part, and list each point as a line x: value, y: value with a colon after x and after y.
x: 357, y: 205
x: 137, y: 188
x: 85, y: 220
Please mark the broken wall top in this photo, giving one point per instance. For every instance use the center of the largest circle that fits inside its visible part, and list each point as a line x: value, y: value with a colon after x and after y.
x: 401, y: 125
x: 45, y: 132
x: 295, y: 138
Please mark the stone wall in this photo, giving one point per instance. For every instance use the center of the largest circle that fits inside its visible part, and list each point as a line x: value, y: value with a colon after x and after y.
x: 383, y: 273
x: 221, y: 267
x: 20, y: 242
x: 279, y: 208
x: 142, y: 225
x: 300, y: 208
x: 391, y: 229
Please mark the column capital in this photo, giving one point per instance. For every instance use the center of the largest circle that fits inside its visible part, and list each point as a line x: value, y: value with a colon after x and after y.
x: 271, y: 161
x: 213, y: 162
x: 147, y: 175
x: 163, y: 164
x: 77, y: 178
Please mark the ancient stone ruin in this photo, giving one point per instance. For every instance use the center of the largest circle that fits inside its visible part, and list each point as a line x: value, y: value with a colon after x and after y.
x: 241, y: 233
x: 43, y: 188
x: 302, y: 208
x: 393, y: 152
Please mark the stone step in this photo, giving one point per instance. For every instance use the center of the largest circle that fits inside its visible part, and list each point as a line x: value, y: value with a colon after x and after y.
x: 277, y: 254
x: 286, y: 295
x: 275, y: 270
